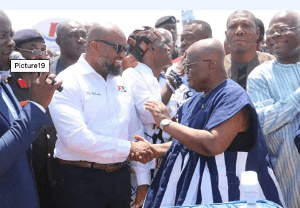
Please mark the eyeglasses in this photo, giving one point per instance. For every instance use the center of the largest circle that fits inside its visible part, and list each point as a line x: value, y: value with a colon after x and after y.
x: 280, y: 31
x: 36, y: 52
x: 120, y: 48
x: 188, y: 66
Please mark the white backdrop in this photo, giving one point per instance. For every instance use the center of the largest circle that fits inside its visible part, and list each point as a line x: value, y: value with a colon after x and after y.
x: 128, y: 20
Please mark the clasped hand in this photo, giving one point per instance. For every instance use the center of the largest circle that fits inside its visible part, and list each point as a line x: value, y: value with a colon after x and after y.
x: 142, y: 150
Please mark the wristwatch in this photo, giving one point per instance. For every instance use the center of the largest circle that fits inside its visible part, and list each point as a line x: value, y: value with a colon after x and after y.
x: 164, y: 122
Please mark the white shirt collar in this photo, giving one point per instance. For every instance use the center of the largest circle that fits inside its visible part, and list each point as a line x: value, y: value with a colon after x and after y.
x: 4, y: 75
x: 87, y: 69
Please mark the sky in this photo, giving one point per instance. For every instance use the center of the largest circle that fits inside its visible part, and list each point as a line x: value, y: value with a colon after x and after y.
x: 128, y: 20
x: 132, y: 14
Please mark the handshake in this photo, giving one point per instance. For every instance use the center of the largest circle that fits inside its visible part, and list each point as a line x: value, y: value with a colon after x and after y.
x: 142, y: 150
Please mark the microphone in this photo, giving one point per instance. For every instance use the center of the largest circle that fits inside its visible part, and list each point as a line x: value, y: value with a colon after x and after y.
x: 16, y: 55
x: 60, y: 87
x: 49, y: 81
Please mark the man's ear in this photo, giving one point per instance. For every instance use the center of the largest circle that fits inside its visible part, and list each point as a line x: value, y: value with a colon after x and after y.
x: 94, y: 46
x: 257, y: 32
x: 58, y: 41
x: 151, y: 47
x: 211, y: 66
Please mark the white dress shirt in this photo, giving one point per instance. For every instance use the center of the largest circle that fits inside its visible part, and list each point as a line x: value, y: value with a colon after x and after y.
x: 144, y: 86
x: 95, y: 118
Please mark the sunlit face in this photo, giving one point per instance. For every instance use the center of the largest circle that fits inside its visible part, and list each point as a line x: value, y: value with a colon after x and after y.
x: 241, y: 32
x: 162, y: 52
x: 172, y: 28
x: 284, y: 42
x: 27, y: 50
x: 6, y: 43
x: 168, y: 40
x: 191, y: 34
x: 73, y: 42
x: 108, y: 58
x: 197, y: 71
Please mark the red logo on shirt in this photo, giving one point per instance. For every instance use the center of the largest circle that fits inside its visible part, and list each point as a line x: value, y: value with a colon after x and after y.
x: 121, y: 89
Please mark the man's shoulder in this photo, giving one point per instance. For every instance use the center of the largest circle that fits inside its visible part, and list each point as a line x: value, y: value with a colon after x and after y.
x: 262, y: 69
x: 53, y: 59
x: 72, y: 70
x: 227, y: 64
x: 131, y: 73
x: 264, y: 57
x: 53, y: 64
x: 231, y: 87
x: 227, y: 59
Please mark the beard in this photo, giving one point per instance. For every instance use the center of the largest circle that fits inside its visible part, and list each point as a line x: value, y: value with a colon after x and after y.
x: 109, y: 67
x: 112, y: 69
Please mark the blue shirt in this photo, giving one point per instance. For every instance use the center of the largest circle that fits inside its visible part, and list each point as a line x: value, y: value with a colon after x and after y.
x: 188, y: 178
x: 275, y: 92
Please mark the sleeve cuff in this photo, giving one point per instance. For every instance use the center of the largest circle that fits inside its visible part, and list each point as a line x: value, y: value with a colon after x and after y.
x: 142, y: 172
x: 39, y: 106
x: 124, y: 147
x: 296, y: 99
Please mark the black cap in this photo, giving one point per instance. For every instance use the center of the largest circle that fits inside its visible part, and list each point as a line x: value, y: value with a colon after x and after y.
x: 27, y: 35
x: 165, y: 20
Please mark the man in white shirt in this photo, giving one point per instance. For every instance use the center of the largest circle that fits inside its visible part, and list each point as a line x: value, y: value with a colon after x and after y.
x: 95, y: 118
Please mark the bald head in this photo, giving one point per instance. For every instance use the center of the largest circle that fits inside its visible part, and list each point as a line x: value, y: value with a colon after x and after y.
x: 103, y: 31
x: 106, y: 49
x: 288, y: 51
x: 88, y: 25
x: 63, y: 28
x: 207, y: 49
x: 242, y: 34
x: 250, y: 16
x: 166, y: 33
x: 201, y: 26
x: 168, y: 37
x: 194, y: 31
x: 205, y: 65
x: 290, y: 17
x: 3, y: 16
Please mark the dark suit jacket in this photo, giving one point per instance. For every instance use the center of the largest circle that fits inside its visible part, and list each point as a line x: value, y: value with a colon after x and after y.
x: 56, y: 65
x: 20, y: 93
x: 17, y: 187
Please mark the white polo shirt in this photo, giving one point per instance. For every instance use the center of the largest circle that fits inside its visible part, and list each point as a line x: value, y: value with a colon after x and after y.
x: 95, y: 118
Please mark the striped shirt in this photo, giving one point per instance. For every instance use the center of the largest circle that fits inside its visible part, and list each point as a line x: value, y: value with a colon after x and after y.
x: 188, y: 178
x: 275, y: 92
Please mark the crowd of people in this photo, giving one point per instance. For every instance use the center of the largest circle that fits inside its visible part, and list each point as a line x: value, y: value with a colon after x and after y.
x: 144, y: 122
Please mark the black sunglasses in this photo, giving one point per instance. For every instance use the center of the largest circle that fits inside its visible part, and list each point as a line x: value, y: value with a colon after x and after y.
x: 120, y: 48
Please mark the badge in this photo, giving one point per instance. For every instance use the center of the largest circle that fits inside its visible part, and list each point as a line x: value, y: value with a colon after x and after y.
x: 22, y: 84
x: 121, y: 89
